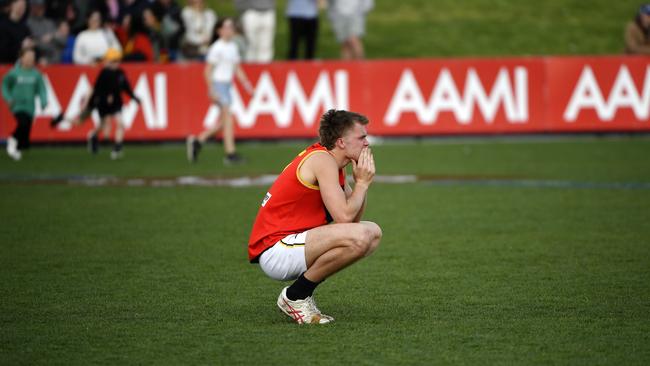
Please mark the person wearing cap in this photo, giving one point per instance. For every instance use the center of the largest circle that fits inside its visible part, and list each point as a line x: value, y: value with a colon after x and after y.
x: 20, y: 87
x: 107, y: 99
x: 637, y: 32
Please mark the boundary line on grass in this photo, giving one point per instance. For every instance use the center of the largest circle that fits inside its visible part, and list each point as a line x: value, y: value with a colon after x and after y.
x: 267, y: 179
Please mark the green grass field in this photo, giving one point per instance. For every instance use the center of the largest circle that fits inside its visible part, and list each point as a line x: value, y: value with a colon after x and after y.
x: 449, y: 28
x: 474, y: 267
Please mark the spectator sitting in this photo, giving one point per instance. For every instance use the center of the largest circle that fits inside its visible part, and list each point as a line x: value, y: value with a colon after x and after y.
x: 68, y: 49
x: 135, y: 8
x: 199, y: 24
x: 152, y: 27
x: 14, y: 33
x: 61, y: 9
x: 112, y: 10
x: 637, y: 33
x: 91, y: 45
x: 134, y: 37
x: 170, y: 27
x: 50, y: 40
x: 74, y: 12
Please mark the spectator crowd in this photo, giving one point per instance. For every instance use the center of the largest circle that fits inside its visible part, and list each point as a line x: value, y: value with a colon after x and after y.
x: 81, y: 31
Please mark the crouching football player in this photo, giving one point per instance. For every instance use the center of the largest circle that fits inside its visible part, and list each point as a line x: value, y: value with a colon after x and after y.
x: 309, y: 224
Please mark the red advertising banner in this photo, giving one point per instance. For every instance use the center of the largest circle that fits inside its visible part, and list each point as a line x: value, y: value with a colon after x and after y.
x: 465, y: 96
x: 401, y: 97
x: 598, y: 94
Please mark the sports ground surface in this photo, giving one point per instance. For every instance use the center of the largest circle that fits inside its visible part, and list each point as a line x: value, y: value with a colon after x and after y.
x: 495, y: 251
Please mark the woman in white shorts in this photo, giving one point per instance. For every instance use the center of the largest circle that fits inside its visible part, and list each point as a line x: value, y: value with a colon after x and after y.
x: 222, y: 64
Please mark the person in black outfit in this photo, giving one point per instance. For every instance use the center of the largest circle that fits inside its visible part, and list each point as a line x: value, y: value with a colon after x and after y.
x: 303, y: 26
x: 14, y: 32
x: 107, y: 99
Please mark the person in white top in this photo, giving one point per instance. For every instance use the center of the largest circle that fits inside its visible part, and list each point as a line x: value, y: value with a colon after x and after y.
x: 91, y: 45
x: 222, y: 64
x: 199, y: 24
x: 348, y: 20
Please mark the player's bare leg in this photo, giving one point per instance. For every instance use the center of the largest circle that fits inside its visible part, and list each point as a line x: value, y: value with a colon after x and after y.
x: 331, y: 248
x: 328, y: 249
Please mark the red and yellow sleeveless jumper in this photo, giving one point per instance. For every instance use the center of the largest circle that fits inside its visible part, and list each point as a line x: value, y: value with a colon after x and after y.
x: 291, y: 206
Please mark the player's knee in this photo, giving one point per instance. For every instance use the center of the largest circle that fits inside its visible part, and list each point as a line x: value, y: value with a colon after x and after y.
x: 359, y: 246
x: 359, y: 240
x: 370, y: 237
x: 373, y: 231
x: 374, y: 235
x: 378, y: 232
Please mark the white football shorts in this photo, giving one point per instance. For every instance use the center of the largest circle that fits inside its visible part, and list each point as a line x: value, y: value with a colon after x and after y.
x: 285, y: 260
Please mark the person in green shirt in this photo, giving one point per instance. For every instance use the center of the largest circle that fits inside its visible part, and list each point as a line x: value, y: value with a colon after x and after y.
x: 20, y: 87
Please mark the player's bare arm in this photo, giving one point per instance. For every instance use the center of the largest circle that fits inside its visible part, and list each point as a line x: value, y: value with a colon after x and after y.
x: 348, y: 193
x: 322, y: 170
x: 371, y: 162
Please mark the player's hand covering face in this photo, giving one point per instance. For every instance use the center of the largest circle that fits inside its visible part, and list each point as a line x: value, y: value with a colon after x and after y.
x: 364, y: 169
